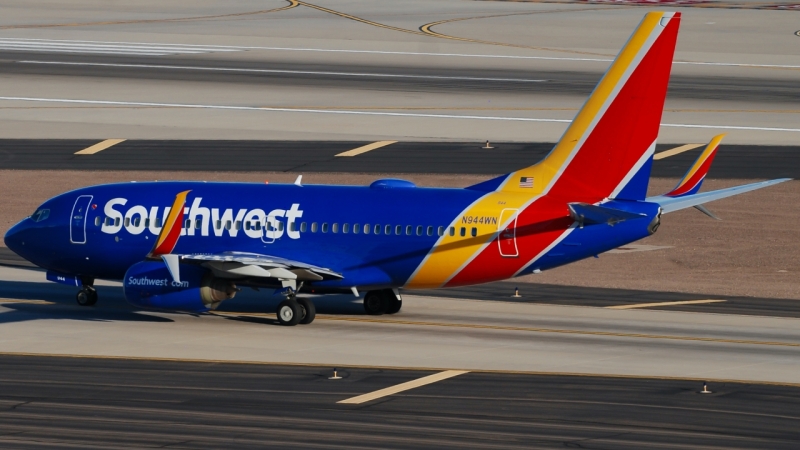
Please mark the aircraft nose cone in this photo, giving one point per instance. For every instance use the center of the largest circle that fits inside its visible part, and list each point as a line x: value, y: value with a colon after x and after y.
x: 13, y: 238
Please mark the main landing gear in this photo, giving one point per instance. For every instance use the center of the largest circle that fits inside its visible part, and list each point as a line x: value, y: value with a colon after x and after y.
x: 296, y: 310
x: 385, y: 301
x: 87, y: 296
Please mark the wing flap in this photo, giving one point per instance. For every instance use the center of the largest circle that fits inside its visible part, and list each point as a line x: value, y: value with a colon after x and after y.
x: 262, y: 266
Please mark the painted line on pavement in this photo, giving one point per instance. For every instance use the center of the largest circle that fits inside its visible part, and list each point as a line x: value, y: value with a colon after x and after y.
x: 99, y: 147
x: 675, y: 151
x: 380, y: 367
x: 652, y: 305
x: 366, y: 148
x: 281, y: 71
x: 362, y: 113
x: 403, y: 387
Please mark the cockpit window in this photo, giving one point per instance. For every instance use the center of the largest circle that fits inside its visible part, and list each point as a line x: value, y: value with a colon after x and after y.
x: 40, y: 215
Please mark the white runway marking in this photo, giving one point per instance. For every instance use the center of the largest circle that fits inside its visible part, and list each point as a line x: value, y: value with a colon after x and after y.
x: 156, y: 49
x: 403, y: 387
x: 359, y: 113
x: 107, y: 48
x: 281, y: 71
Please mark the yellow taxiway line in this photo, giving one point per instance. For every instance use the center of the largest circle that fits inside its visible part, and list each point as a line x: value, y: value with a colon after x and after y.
x: 366, y: 148
x: 651, y: 305
x: 391, y: 390
x: 675, y: 151
x: 99, y: 147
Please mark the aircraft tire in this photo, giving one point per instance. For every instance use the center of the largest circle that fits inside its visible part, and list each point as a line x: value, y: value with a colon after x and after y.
x: 309, y: 311
x: 375, y: 303
x: 86, y: 296
x: 289, y: 313
x: 393, y: 305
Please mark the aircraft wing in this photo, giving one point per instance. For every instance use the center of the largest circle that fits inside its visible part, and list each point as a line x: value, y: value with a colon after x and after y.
x: 670, y: 204
x: 254, y: 265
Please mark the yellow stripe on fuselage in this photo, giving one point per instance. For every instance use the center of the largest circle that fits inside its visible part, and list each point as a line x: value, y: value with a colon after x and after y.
x: 452, y: 252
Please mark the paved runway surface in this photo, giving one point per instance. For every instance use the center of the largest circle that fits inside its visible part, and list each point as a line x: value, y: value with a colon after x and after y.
x: 502, y: 291
x: 732, y: 161
x: 107, y: 403
x: 277, y: 74
x: 349, y: 62
x: 439, y: 333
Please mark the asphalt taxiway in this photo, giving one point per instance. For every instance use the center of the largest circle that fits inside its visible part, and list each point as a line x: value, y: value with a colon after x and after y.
x: 732, y: 162
x: 113, y: 403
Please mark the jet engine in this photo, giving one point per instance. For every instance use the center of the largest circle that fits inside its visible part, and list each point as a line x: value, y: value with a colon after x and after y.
x: 149, y: 284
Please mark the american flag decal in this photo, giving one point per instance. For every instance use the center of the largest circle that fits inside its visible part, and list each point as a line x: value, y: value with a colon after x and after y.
x: 526, y: 182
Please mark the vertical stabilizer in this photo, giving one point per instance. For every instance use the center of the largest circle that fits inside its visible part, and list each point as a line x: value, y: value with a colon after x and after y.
x: 607, y: 150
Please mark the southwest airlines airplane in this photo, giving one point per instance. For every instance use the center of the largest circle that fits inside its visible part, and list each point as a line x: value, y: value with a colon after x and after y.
x: 188, y: 246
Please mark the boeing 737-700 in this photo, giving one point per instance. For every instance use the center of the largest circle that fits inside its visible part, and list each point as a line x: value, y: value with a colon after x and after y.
x: 187, y: 246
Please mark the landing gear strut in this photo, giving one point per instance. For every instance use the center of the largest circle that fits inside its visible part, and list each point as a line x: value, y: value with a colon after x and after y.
x: 87, y: 296
x: 385, y: 301
x: 296, y: 310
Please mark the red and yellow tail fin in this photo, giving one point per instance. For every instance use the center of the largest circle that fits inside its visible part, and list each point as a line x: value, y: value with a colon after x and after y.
x: 171, y: 231
x: 693, y: 179
x: 612, y: 138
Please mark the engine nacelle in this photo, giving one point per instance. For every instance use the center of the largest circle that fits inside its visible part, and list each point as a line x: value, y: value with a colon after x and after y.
x: 148, y: 284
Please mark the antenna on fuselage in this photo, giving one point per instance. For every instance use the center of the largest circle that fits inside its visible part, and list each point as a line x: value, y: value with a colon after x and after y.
x: 299, y: 181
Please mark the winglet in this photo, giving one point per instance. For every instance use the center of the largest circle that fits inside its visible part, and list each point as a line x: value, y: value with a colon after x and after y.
x: 693, y: 179
x: 171, y: 230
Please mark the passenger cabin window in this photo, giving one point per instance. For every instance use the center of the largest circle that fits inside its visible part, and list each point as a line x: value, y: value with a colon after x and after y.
x: 325, y: 227
x: 430, y: 231
x: 474, y: 231
x: 452, y: 231
x: 314, y: 227
x: 218, y: 225
x: 197, y: 224
x: 367, y: 228
x: 128, y: 222
x: 409, y: 229
x: 387, y: 230
x: 227, y: 224
x: 146, y: 222
x: 377, y: 229
x: 463, y: 231
x: 356, y: 228
x: 158, y: 222
x: 346, y: 228
x: 303, y: 227
x: 419, y: 230
x: 238, y: 225
x: 335, y: 228
x: 293, y: 226
x: 441, y: 231
x: 116, y: 222
x: 97, y: 221
x: 398, y: 230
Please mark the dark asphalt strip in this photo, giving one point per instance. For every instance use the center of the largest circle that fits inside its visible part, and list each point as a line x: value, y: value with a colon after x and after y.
x: 106, y: 402
x: 732, y: 161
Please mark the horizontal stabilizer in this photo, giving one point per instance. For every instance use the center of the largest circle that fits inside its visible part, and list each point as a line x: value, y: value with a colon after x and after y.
x: 670, y: 204
x: 584, y: 213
